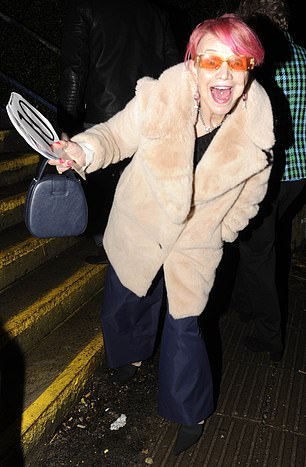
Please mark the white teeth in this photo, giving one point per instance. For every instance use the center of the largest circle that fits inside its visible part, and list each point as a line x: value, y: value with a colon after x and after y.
x: 221, y: 89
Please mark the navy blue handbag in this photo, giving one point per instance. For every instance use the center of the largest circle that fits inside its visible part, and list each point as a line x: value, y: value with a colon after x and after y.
x: 55, y: 205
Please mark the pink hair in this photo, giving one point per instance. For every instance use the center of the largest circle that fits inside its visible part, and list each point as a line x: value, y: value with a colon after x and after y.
x: 231, y: 31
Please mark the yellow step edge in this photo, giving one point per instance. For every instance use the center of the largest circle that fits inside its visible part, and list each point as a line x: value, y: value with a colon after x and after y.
x: 29, y: 316
x: 21, y: 249
x: 12, y: 203
x: 19, y: 162
x: 73, y: 378
x: 42, y: 412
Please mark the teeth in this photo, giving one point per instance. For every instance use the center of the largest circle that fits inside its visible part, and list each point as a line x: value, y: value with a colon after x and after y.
x: 221, y: 89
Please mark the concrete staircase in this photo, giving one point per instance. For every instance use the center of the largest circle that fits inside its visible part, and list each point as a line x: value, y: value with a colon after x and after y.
x: 50, y: 338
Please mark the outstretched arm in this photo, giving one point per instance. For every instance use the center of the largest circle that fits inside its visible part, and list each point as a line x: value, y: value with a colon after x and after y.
x: 101, y: 145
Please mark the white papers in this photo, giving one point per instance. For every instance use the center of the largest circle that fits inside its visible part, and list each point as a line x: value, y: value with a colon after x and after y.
x: 35, y: 129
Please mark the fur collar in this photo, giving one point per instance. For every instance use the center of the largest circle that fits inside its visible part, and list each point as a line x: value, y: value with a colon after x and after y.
x: 235, y: 154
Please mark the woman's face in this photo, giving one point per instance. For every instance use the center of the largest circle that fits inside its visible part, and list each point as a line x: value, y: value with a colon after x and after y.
x: 219, y: 89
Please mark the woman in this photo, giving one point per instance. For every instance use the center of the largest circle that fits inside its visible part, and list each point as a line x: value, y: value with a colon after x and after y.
x: 200, y: 137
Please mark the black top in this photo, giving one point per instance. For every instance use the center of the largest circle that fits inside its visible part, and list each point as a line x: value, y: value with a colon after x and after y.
x: 201, y: 144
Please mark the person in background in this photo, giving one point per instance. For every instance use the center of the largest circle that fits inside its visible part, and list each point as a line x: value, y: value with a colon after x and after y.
x: 200, y: 139
x: 264, y: 247
x: 106, y: 47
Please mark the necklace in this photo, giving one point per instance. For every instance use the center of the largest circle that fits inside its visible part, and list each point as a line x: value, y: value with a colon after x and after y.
x: 209, y: 129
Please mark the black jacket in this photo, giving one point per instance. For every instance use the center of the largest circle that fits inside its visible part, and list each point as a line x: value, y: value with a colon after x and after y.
x: 107, y: 46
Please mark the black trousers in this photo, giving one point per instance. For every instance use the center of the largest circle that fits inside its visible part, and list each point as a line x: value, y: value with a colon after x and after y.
x: 130, y: 327
x: 264, y: 247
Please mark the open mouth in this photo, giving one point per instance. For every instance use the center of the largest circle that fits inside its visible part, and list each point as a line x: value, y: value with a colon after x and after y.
x: 221, y: 94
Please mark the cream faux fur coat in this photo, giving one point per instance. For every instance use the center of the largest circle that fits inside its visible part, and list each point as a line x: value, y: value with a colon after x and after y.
x: 164, y: 212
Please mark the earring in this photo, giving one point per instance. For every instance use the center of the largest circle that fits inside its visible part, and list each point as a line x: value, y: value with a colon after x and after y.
x: 196, y: 99
x: 245, y: 99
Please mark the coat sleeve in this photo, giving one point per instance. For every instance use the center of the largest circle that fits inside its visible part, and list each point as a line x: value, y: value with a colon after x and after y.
x: 74, y: 65
x: 246, y: 206
x: 114, y: 140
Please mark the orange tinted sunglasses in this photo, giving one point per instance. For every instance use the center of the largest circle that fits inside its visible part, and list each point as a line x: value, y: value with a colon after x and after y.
x: 214, y: 62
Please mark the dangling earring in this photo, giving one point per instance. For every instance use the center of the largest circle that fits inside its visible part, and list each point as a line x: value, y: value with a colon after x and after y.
x: 196, y: 100
x: 245, y: 99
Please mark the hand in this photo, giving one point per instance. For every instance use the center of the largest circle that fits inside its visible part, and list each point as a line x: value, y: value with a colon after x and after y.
x: 69, y: 154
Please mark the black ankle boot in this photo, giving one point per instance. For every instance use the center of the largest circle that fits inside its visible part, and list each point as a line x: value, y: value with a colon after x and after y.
x: 187, y: 435
x: 124, y: 374
x: 254, y: 344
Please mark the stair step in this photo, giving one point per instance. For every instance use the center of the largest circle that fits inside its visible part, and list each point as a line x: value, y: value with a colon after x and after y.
x: 11, y: 210
x: 39, y: 302
x: 12, y: 141
x: 50, y: 380
x: 20, y: 253
x: 12, y: 201
x: 15, y: 168
x: 50, y: 298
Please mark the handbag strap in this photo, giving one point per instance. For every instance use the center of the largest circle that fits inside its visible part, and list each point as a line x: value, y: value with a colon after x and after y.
x: 41, y: 169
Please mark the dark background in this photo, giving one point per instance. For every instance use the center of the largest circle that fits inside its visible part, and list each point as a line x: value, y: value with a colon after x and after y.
x: 31, y: 39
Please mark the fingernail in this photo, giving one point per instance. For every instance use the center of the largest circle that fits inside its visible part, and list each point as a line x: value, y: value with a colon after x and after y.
x: 69, y: 163
x: 61, y: 161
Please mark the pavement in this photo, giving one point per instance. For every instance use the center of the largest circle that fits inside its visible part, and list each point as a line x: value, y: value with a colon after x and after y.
x: 260, y: 416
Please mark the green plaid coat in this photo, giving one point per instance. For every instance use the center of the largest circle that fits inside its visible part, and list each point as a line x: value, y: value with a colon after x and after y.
x: 291, y: 78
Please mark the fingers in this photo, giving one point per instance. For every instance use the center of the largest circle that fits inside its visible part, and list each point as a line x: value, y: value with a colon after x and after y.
x: 59, y: 146
x: 63, y: 161
x: 69, y: 150
x: 63, y: 165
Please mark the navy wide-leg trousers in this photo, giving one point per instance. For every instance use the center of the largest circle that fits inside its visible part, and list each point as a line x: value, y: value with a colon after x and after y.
x: 130, y: 326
